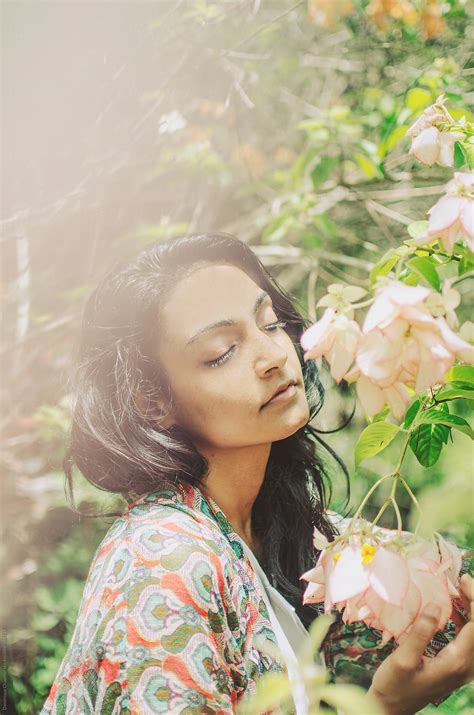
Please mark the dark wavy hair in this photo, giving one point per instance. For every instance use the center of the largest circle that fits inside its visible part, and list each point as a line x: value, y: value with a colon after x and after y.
x: 118, y: 448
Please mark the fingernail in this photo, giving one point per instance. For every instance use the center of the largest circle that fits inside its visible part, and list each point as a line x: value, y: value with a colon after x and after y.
x: 432, y: 611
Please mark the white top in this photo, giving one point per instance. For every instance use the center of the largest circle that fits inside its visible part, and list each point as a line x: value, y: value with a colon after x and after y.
x: 289, y: 630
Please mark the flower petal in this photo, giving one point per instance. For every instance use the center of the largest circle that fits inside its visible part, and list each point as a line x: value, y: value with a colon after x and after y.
x: 467, y: 221
x: 446, y: 147
x: 314, y: 338
x: 371, y: 396
x: 398, y: 398
x: 425, y: 147
x: 353, y: 293
x: 388, y: 576
x: 444, y: 214
x: 455, y: 343
x: 349, y: 576
x: 434, y: 589
x: 314, y: 593
x: 319, y: 540
x: 450, y: 555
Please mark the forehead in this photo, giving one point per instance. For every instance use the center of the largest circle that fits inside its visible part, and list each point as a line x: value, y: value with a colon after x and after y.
x: 210, y: 293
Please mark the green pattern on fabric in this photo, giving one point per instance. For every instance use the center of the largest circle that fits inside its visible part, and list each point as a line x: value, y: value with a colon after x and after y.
x: 172, y: 619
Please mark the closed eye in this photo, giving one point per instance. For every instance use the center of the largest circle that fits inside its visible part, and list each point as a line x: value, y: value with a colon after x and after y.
x: 271, y: 327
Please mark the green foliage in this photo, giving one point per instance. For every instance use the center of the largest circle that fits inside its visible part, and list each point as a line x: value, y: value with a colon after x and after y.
x: 374, y: 439
x: 425, y: 268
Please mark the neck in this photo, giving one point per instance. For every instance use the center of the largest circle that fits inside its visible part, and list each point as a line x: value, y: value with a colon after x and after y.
x: 234, y: 481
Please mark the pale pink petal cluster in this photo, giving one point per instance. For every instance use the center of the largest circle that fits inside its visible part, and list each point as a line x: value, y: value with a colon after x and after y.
x: 342, y: 298
x: 451, y: 219
x: 384, y: 578
x: 336, y: 337
x: 431, y: 145
x: 444, y: 304
x: 401, y: 344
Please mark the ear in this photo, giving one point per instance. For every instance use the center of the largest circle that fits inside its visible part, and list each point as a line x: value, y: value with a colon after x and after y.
x: 157, y: 411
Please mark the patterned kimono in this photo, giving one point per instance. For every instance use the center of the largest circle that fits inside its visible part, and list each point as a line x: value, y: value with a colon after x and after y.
x: 172, y: 619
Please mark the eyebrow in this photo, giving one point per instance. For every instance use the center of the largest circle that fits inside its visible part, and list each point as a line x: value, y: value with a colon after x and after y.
x: 227, y: 321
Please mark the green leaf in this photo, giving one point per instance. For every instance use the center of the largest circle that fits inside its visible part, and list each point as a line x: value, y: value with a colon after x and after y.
x: 384, y: 266
x: 349, y: 698
x: 411, y: 413
x: 417, y: 99
x: 374, y: 439
x: 323, y: 170
x: 45, y: 621
x: 417, y: 228
x: 427, y: 442
x: 278, y: 228
x: 434, y: 416
x: 272, y: 689
x: 380, y: 416
x: 317, y: 633
x: 425, y: 267
x: 460, y: 374
x: 469, y: 154
x: 452, y: 393
x: 465, y: 265
x: 459, y: 156
x: 463, y: 250
x: 392, y: 140
x: 409, y: 278
x: 367, y: 166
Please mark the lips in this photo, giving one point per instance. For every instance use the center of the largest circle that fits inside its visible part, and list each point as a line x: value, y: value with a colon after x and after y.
x: 284, y: 386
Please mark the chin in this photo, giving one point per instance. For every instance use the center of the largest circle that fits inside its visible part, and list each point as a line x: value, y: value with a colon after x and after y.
x: 287, y: 428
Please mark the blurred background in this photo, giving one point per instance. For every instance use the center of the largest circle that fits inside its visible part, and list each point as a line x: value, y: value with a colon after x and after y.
x: 125, y: 123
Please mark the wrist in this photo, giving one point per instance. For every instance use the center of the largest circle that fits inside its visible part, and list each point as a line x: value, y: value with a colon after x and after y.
x: 388, y: 708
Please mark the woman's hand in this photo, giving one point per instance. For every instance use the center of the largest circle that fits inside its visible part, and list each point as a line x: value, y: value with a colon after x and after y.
x: 407, y: 681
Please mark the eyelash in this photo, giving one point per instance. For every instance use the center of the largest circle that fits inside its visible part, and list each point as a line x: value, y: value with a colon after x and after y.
x: 223, y: 358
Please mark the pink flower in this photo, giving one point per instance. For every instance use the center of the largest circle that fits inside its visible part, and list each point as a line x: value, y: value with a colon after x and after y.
x: 429, y: 144
x: 395, y: 299
x: 451, y: 219
x: 432, y: 116
x: 373, y: 397
x: 384, y: 578
x: 403, y: 344
x: 432, y: 146
x: 336, y: 338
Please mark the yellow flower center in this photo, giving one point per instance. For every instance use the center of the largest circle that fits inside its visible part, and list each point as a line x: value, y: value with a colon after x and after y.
x: 367, y: 552
x: 336, y: 557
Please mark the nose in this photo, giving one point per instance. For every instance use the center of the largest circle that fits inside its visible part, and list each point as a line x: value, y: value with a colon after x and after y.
x: 270, y: 355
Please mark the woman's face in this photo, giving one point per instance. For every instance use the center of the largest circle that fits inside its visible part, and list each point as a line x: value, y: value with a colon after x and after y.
x: 225, y: 356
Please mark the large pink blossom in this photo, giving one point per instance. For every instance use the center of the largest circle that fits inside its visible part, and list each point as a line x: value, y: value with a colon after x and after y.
x: 451, y: 219
x: 384, y: 578
x: 403, y: 344
x: 335, y: 337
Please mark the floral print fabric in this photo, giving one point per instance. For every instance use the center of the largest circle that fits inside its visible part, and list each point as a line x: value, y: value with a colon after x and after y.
x: 172, y: 619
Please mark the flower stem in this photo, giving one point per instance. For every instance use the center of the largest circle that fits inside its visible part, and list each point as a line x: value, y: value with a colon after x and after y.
x: 437, y: 252
x: 366, y: 499
x: 381, y: 511
x: 414, y: 500
x: 363, y: 304
x: 402, y: 456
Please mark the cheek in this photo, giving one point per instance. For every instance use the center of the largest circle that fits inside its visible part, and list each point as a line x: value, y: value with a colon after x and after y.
x: 203, y: 407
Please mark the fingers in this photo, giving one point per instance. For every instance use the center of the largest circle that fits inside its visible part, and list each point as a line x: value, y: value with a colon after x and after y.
x: 467, y: 592
x: 410, y: 652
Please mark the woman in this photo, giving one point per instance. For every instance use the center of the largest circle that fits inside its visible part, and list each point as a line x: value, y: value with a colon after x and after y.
x: 193, y: 401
